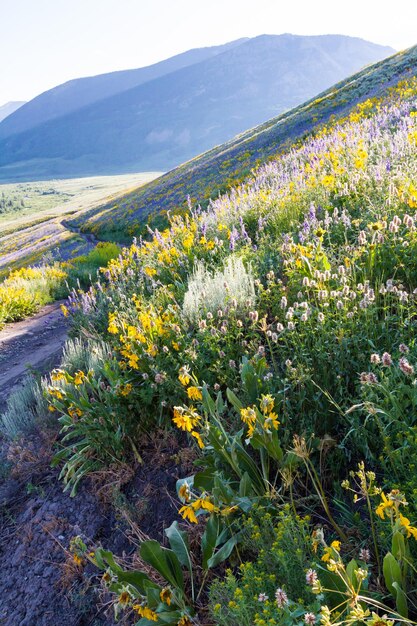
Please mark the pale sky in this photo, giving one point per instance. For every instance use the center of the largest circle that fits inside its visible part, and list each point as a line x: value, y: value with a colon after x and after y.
x: 46, y: 42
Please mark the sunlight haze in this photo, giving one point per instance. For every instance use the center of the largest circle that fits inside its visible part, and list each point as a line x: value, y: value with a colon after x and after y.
x: 48, y: 42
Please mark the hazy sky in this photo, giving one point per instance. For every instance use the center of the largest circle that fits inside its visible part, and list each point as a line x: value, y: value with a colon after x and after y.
x: 46, y: 42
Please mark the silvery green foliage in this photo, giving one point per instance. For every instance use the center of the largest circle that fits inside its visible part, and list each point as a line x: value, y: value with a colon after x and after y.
x: 85, y: 355
x: 211, y: 292
x: 25, y: 406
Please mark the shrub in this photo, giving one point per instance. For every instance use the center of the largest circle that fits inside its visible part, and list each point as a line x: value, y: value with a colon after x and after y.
x: 27, y: 407
x: 209, y: 292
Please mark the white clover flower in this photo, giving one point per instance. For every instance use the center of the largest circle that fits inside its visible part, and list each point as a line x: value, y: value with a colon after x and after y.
x: 281, y: 598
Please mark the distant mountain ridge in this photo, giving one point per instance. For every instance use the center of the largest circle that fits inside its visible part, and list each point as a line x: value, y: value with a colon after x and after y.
x: 9, y: 108
x: 178, y: 114
x: 80, y: 92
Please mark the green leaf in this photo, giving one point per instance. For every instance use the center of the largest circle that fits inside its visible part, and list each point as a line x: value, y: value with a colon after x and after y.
x: 392, y: 573
x: 204, y: 480
x: 225, y: 551
x: 105, y: 558
x: 351, y: 567
x: 398, y: 545
x: 335, y: 584
x: 401, y: 600
x: 209, y: 539
x: 234, y: 400
x: 178, y: 540
x: 245, y: 485
x: 138, y: 579
x: 220, y: 406
x: 153, y: 598
x: 164, y: 561
x: 208, y: 402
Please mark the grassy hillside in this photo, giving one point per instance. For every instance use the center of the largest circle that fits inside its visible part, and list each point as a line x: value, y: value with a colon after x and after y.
x: 219, y: 169
x: 32, y: 216
x: 262, y: 353
x: 165, y: 121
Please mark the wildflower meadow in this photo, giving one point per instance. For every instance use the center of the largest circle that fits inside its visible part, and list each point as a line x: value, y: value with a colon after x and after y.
x: 273, y: 335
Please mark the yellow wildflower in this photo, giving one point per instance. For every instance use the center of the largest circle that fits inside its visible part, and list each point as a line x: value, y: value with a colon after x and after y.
x: 405, y: 523
x: 385, y: 504
x: 185, y: 419
x: 112, y: 327
x: 184, y: 492
x: 133, y: 361
x: 248, y: 415
x: 203, y: 503
x: 64, y: 310
x: 184, y: 375
x: 194, y: 393
x: 79, y: 378
x: 198, y: 438
x: 57, y: 375
x: 125, y: 390
x: 271, y: 420
x: 146, y: 612
x: 266, y: 403
x: 187, y: 512
x: 166, y: 595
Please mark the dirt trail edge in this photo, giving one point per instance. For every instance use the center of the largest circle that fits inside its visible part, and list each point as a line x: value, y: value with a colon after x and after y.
x: 32, y: 343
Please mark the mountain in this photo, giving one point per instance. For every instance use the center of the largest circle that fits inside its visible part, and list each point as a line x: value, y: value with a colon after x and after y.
x: 171, y: 118
x: 10, y: 107
x: 77, y: 93
x: 229, y: 164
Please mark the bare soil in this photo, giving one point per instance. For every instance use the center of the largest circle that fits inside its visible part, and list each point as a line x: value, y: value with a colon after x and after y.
x: 34, y: 343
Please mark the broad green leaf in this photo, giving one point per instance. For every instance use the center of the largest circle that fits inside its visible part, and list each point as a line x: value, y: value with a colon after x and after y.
x: 398, y: 545
x: 204, y: 480
x: 392, y: 573
x: 234, y: 400
x: 178, y: 540
x: 401, y: 600
x: 225, y: 551
x: 350, y: 571
x: 164, y: 561
x: 209, y: 539
x: 245, y: 485
x: 208, y: 402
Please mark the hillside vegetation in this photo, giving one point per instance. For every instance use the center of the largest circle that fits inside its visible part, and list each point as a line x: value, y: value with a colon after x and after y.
x: 219, y: 169
x: 273, y: 337
x: 32, y: 217
x: 179, y: 109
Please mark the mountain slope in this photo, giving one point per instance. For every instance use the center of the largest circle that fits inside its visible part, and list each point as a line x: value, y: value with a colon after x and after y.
x: 165, y: 121
x: 9, y: 108
x: 219, y: 169
x: 80, y: 92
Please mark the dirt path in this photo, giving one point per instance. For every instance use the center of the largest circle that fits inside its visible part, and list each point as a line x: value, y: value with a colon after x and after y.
x: 32, y: 343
